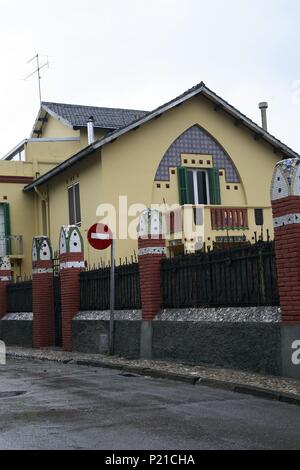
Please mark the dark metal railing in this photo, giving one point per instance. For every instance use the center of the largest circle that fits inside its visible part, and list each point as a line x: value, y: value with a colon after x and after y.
x: 19, y: 297
x: 243, y: 276
x: 95, y: 288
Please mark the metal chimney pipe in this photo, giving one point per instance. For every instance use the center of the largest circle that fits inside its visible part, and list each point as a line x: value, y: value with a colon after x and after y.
x: 263, y: 107
x: 90, y: 130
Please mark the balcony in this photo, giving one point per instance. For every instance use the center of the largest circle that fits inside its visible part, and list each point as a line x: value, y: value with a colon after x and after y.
x: 11, y: 246
x: 190, y: 227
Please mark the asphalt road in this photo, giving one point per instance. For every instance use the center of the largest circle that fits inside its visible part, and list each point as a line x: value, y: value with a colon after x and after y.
x: 74, y: 407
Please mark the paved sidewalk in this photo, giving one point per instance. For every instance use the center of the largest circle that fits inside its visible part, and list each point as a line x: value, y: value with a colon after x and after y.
x: 276, y: 388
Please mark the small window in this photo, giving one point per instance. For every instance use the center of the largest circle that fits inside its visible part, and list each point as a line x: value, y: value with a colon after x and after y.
x: 74, y: 204
x: 5, y: 240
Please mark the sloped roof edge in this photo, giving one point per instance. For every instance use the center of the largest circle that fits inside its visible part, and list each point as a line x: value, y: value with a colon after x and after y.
x: 201, y: 88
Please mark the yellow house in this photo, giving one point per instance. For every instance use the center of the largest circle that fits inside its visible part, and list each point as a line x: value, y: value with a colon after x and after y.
x: 59, y: 131
x: 196, y: 151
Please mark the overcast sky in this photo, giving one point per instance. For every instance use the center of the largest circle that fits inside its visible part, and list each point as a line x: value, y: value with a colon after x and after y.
x: 141, y: 53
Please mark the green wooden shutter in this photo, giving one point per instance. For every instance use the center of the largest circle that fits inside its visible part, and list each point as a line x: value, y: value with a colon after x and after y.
x: 214, y: 186
x: 7, y: 227
x: 183, y: 185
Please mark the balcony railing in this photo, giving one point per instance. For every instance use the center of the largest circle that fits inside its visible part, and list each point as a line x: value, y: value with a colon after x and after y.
x: 11, y: 245
x: 229, y: 218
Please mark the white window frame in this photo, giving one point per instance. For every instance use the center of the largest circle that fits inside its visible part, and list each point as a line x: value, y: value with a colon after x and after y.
x: 195, y: 184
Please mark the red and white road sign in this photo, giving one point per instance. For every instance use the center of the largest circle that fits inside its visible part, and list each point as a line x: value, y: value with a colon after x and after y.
x: 100, y: 236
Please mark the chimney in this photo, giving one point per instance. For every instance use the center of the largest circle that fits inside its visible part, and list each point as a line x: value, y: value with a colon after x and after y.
x: 90, y: 130
x: 263, y: 107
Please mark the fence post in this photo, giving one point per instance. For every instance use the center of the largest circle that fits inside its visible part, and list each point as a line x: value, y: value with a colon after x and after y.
x: 42, y: 293
x: 152, y: 249
x: 71, y: 264
x: 285, y: 195
x: 5, y: 278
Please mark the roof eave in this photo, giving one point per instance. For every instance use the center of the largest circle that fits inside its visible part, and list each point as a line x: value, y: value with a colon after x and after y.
x: 250, y: 124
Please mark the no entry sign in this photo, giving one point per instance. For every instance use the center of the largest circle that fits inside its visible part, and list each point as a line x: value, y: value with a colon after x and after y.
x: 100, y: 236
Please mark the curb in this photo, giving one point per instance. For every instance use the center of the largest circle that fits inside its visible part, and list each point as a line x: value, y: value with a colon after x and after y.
x: 257, y: 392
x: 235, y: 387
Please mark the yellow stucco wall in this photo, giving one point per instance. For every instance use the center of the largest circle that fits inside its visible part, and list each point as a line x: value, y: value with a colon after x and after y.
x: 53, y: 152
x: 128, y: 166
x: 56, y: 128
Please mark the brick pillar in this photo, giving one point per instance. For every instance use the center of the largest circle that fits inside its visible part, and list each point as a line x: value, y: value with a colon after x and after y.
x: 71, y: 264
x: 5, y: 278
x: 152, y: 249
x: 285, y: 195
x: 42, y: 293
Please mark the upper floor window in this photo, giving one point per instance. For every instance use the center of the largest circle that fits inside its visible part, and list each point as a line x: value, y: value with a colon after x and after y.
x: 199, y: 186
x: 74, y: 204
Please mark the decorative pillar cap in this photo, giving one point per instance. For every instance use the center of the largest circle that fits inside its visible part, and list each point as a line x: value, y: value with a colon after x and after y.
x: 5, y: 264
x: 286, y: 179
x: 151, y: 224
x: 70, y: 240
x: 41, y: 249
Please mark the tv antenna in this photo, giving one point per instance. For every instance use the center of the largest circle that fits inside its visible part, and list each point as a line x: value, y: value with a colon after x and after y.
x: 38, y: 72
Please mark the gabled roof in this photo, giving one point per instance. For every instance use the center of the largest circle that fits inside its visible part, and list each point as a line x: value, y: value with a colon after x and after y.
x: 200, y: 89
x: 76, y: 116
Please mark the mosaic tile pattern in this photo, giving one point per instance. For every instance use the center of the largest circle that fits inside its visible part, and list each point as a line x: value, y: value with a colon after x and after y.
x: 196, y: 140
x: 286, y: 179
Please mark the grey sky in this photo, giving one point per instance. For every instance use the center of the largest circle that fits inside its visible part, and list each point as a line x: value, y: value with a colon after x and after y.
x: 139, y: 54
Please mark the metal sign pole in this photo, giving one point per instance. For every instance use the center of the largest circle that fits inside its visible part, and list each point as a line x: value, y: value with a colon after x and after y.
x: 112, y: 299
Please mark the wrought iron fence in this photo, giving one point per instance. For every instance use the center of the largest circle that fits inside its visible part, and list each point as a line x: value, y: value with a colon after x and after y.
x: 19, y: 297
x: 95, y: 288
x: 243, y: 276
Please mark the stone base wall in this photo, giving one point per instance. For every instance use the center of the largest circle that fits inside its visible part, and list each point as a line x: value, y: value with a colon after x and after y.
x: 245, y: 339
x: 89, y: 330
x: 16, y: 329
x: 252, y: 347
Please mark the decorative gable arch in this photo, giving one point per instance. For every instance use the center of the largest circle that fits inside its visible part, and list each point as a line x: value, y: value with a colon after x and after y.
x: 198, y: 141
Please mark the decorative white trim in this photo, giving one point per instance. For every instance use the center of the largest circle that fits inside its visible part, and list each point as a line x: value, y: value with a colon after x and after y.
x: 152, y: 250
x: 72, y: 264
x: 5, y: 278
x: 288, y: 219
x: 42, y: 271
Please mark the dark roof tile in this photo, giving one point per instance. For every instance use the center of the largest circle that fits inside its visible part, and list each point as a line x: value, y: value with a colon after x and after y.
x: 106, y: 118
